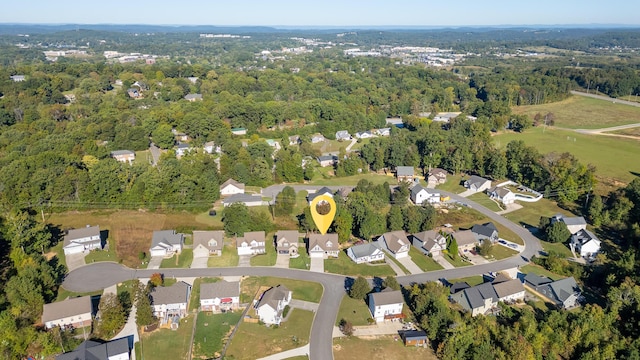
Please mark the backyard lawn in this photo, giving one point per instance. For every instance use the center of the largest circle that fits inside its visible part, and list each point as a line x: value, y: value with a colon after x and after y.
x: 385, y: 347
x: 302, y: 290
x: 354, y: 311
x: 345, y: 266
x: 228, y: 258
x: 424, y: 262
x: 531, y: 212
x: 212, y: 331
x: 182, y: 260
x: 558, y: 248
x: 253, y: 340
x: 353, y: 180
x: 165, y: 344
x: 453, y: 184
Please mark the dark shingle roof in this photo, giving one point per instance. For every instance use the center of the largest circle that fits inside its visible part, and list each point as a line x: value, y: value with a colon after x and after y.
x: 363, y: 250
x: 174, y: 294
x: 93, y: 350
x: 274, y: 295
x: 404, y: 171
x: 387, y: 297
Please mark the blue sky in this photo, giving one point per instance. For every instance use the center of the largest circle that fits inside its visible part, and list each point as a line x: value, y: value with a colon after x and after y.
x: 323, y: 12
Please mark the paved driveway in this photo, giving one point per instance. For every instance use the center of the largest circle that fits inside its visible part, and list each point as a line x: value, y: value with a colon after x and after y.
x: 393, y: 265
x: 444, y: 263
x: 467, y: 193
x: 282, y: 261
x: 155, y: 262
x: 304, y: 305
x: 410, y: 265
x: 244, y: 261
x: 317, y: 264
x: 74, y: 261
x: 199, y: 262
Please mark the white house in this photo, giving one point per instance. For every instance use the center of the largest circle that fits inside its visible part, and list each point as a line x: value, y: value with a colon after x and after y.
x: 327, y: 160
x: 239, y: 131
x: 112, y: 350
x: 501, y: 194
x: 166, y: 243
x: 210, y: 147
x: 231, y: 187
x: 386, y: 305
x: 75, y: 312
x: 294, y: 140
x: 477, y: 183
x: 252, y: 243
x: 585, y: 243
x: 429, y: 242
x: 286, y: 242
x: 396, y: 243
x: 317, y: 138
x: 384, y: 132
x: 170, y: 301
x: 365, y: 253
x: 323, y: 246
x: 124, y: 156
x: 207, y: 243
x: 364, y: 134
x: 343, y: 135
x: 193, y: 97
x: 405, y: 173
x: 220, y: 296
x: 436, y: 176
x: 322, y: 191
x: 272, y: 304
x: 83, y: 239
x: 421, y: 195
x: 183, y: 149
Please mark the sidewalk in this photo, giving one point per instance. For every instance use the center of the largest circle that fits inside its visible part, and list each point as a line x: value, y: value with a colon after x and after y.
x: 301, y: 351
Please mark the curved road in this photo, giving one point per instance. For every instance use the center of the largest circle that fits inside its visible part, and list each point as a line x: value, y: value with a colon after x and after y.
x: 98, y: 276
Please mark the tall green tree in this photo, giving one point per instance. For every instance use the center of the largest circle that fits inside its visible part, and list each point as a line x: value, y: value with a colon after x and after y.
x: 360, y: 288
x: 234, y: 219
x: 557, y: 232
x: 285, y: 201
x: 395, y: 220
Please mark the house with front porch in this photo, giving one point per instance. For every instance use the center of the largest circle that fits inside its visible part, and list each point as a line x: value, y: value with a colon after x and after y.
x: 207, y: 243
x: 477, y: 183
x: 429, y: 242
x: 396, y: 243
x: 82, y: 239
x: 323, y: 246
x: 220, y: 296
x: 166, y: 243
x: 286, y: 242
x: 170, y: 301
x: 501, y: 194
x: 365, y: 253
x: 252, y: 243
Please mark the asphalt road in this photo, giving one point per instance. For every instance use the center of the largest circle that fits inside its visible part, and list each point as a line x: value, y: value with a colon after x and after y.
x: 614, y: 100
x: 101, y: 275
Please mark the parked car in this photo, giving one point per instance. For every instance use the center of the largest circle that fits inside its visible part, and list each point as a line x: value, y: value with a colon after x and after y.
x: 502, y: 242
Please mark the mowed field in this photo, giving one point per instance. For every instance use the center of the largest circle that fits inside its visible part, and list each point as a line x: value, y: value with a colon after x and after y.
x: 132, y: 230
x: 579, y: 112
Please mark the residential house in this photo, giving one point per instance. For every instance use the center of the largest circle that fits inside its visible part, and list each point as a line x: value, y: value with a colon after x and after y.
x: 317, y: 138
x: 405, y: 173
x: 248, y: 200
x: 93, y: 350
x: 124, y: 156
x: 429, y: 242
x: 436, y: 176
x: 323, y: 246
x: 534, y: 281
x: 274, y: 144
x: 509, y: 291
x: 396, y: 243
x: 365, y: 253
x: 480, y: 299
x: 466, y: 240
x: 17, y: 78
x: 477, y: 183
x: 193, y: 97
x: 220, y: 296
x: 74, y: 312
x: 183, y: 149
x: 207, y: 243
x: 585, y: 243
x: 396, y: 121
x: 574, y: 223
x: 327, y: 160
x: 166, y: 243
x: 179, y: 135
x: 414, y: 338
x: 239, y: 131
x: 271, y: 306
x: 170, y: 301
x: 252, y: 243
x: 231, y: 187
x: 386, y: 305
x: 485, y: 231
x: 445, y: 116
x: 134, y: 93
x: 343, y: 135
x: 210, y: 147
x: 383, y: 132
x: 501, y: 194
x: 458, y: 286
x: 421, y: 195
x: 294, y: 140
x: 286, y: 242
x: 193, y: 79
x: 364, y: 134
x: 564, y: 293
x: 323, y: 191
x: 82, y: 239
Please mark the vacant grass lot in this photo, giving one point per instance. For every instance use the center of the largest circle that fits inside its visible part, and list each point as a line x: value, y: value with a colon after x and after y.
x: 302, y: 290
x: 165, y: 344
x: 465, y: 218
x: 558, y: 248
x: 424, y: 262
x: 345, y: 266
x: 353, y: 180
x: 471, y: 280
x: 354, y: 311
x: 182, y: 260
x: 499, y: 252
x: 530, y: 213
x: 579, y: 112
x: 228, y: 258
x: 211, y: 333
x: 253, y: 340
x: 615, y: 159
x: 383, y: 347
x: 453, y: 184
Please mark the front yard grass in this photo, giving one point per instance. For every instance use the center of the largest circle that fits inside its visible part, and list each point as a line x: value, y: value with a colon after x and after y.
x: 558, y: 248
x: 424, y: 262
x: 530, y: 213
x: 253, y: 340
x: 471, y: 280
x: 268, y: 259
x: 302, y: 261
x: 345, y: 266
x: 457, y: 262
x: 500, y: 252
x: 212, y: 331
x: 165, y: 344
x: 229, y: 257
x: 453, y: 184
x: 387, y: 347
x: 182, y: 260
x: 302, y: 290
x: 465, y: 218
x: 102, y: 255
x: 355, y: 311
x: 484, y: 200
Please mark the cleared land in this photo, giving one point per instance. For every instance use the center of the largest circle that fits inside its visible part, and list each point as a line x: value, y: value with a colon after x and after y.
x: 628, y: 132
x: 354, y: 311
x: 302, y: 290
x: 345, y: 266
x: 530, y: 213
x: 387, y: 347
x: 211, y: 332
x: 579, y: 112
x: 165, y: 344
x: 465, y: 218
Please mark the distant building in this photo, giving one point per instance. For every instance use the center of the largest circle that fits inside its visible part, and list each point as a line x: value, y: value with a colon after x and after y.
x: 231, y: 187
x: 17, y: 78
x: 124, y: 156
x: 477, y: 183
x: 327, y: 160
x: 405, y: 173
x: 239, y: 131
x: 343, y: 135
x: 574, y: 223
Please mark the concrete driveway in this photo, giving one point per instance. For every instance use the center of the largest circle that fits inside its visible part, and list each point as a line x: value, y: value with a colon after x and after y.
x: 444, y: 263
x: 154, y: 262
x: 317, y: 264
x: 199, y: 262
x: 467, y: 193
x: 244, y: 261
x: 282, y: 261
x: 510, y: 245
x: 74, y: 261
x: 304, y: 305
x: 410, y: 265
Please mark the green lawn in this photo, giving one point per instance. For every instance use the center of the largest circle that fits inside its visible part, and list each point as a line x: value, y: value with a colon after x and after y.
x: 453, y: 184
x: 559, y: 248
x: 128, y: 286
x: 302, y: 290
x: 424, y: 262
x: 354, y: 311
x: 213, y: 222
x: 531, y: 212
x: 212, y: 331
x: 302, y: 261
x: 64, y: 293
x: 253, y: 340
x: 182, y: 260
x: 484, y: 200
x: 194, y: 301
x: 465, y: 218
x: 500, y: 252
x: 165, y: 344
x: 457, y: 262
x: 471, y: 280
x: 579, y: 112
x: 268, y: 259
x: 539, y: 270
x: 228, y: 258
x: 387, y: 347
x: 102, y: 255
x: 353, y: 180
x: 59, y: 254
x: 345, y: 266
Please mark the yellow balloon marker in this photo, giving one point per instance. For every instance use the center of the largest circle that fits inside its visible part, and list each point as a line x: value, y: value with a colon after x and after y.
x: 323, y: 210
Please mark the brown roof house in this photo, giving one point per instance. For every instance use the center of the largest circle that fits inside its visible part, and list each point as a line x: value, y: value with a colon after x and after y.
x: 436, y: 176
x: 323, y: 246
x: 466, y: 240
x: 220, y: 296
x: 405, y: 173
x: 386, y: 305
x: 124, y: 156
x: 286, y: 242
x: 207, y: 243
x: 74, y: 312
x: 271, y: 305
x: 252, y: 243
x: 396, y: 243
x: 83, y: 239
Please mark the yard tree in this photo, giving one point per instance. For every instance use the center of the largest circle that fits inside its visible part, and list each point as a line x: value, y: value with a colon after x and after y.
x: 360, y: 288
x: 163, y: 137
x: 401, y: 194
x: 595, y: 210
x: 234, y: 218
x: 391, y: 282
x: 557, y: 232
x: 156, y: 279
x: 144, y: 312
x: 452, y: 247
x: 285, y: 201
x: 306, y: 220
x: 395, y: 221
x: 343, y: 222
x: 485, y: 247
x: 373, y: 224
x: 112, y: 316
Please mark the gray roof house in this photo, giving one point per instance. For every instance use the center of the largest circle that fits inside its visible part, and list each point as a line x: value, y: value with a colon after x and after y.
x: 429, y: 242
x: 124, y: 156
x: 485, y: 231
x: 317, y: 138
x: 509, y: 291
x: 322, y: 191
x: 405, y: 173
x: 343, y: 135
x: 396, y: 243
x: 220, y: 296
x: 437, y: 176
x: 76, y: 312
x: 93, y: 350
x: 327, y: 160
x: 466, y: 240
x: 574, y: 223
x: 323, y: 245
x: 365, y: 253
x: 166, y: 243
x: 271, y: 305
x: 170, y: 301
x: 477, y: 183
x: 564, y: 293
x: 247, y: 199
x: 193, y: 97
x: 480, y: 299
x: 207, y: 243
x: 534, y: 280
x: 231, y: 187
x: 82, y: 239
x: 585, y: 243
x: 386, y: 304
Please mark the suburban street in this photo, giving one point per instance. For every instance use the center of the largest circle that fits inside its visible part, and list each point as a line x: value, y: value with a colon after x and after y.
x: 98, y: 276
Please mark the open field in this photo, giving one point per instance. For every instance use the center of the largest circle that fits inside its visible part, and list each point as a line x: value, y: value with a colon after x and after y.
x: 579, y: 112
x: 345, y: 266
x: 628, y: 132
x: 615, y: 159
x: 165, y: 344
x: 253, y: 340
x: 354, y: 311
x: 353, y: 180
x: 378, y: 348
x: 558, y: 248
x: 424, y: 262
x: 302, y: 290
x: 211, y: 332
x: 331, y: 145
x: 530, y: 213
